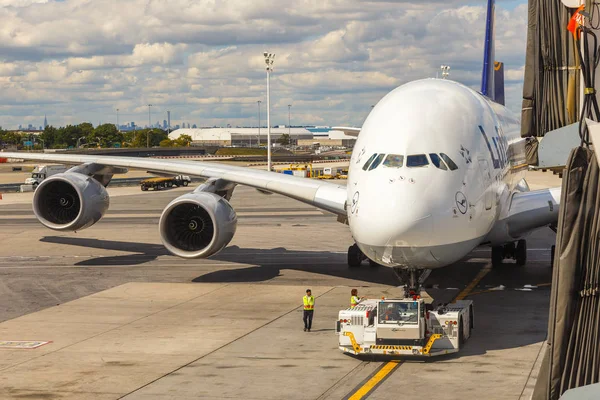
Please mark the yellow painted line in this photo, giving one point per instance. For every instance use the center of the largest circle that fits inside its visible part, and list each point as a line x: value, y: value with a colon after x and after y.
x: 544, y: 284
x: 473, y: 283
x: 374, y: 381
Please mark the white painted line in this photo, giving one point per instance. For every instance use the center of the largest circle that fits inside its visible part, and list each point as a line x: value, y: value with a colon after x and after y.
x: 21, y: 344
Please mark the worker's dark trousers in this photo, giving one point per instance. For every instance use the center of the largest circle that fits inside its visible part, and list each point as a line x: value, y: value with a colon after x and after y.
x: 308, y: 314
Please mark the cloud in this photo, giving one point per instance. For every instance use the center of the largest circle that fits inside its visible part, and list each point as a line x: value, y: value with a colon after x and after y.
x: 202, y: 59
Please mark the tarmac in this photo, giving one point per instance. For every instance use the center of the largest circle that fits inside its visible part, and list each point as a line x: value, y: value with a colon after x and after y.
x: 107, y: 313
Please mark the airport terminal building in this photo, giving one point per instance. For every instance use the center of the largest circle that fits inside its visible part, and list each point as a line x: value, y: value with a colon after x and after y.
x: 311, y: 136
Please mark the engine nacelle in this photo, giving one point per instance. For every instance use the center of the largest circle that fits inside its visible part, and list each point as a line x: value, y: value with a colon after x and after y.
x: 197, y: 225
x: 70, y: 201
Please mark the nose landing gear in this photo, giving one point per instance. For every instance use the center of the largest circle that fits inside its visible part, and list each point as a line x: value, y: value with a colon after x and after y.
x: 412, y: 279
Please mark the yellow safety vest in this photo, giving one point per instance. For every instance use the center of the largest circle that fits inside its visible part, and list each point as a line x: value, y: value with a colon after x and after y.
x: 354, y: 300
x: 309, y: 303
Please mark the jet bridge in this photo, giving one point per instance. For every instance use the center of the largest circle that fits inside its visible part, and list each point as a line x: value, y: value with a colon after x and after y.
x: 560, y: 108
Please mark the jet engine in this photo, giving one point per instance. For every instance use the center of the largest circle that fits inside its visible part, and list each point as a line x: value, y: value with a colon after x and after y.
x: 197, y: 225
x: 70, y: 202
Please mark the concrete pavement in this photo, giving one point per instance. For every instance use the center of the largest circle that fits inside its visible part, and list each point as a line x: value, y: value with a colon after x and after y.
x: 127, y: 319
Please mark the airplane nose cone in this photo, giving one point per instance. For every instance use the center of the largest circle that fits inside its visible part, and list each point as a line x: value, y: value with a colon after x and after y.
x: 379, y: 222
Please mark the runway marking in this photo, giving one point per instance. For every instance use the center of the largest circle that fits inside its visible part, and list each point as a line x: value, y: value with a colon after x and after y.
x: 473, y: 283
x: 22, y: 344
x: 364, y: 389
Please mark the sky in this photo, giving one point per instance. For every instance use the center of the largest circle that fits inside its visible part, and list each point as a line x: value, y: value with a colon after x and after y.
x: 81, y: 60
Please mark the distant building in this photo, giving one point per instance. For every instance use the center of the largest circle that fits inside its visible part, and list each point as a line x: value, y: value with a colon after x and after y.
x: 164, y: 124
x: 249, y: 136
x: 45, y: 121
x: 194, y: 126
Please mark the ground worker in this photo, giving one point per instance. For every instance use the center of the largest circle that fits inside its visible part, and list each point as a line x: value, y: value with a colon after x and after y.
x: 354, y: 299
x: 309, y: 309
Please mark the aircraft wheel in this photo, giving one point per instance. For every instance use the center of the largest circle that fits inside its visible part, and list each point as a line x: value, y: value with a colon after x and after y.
x: 355, y: 256
x: 497, y: 256
x: 521, y: 252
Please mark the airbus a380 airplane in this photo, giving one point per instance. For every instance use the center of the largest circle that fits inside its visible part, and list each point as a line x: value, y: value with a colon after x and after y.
x: 436, y: 171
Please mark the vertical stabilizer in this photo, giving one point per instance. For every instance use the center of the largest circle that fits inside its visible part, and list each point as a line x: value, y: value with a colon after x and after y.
x: 487, y: 78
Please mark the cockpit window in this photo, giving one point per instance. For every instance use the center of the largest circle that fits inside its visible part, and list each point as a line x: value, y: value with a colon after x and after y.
x: 437, y: 161
x: 369, y: 161
x: 393, y: 161
x: 417, y: 160
x: 376, y: 162
x: 448, y: 161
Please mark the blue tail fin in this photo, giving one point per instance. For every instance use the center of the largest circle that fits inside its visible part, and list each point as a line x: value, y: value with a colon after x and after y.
x: 492, y: 79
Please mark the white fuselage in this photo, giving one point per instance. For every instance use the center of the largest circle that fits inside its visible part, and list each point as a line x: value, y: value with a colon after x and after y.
x: 410, y: 207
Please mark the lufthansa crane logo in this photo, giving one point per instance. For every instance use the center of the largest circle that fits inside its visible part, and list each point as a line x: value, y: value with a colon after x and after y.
x: 461, y: 202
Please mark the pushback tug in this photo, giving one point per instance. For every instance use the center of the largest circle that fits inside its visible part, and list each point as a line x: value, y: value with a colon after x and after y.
x: 405, y: 327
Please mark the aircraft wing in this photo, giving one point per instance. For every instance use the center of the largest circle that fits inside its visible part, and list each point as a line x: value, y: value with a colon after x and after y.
x: 325, y: 195
x: 532, y: 210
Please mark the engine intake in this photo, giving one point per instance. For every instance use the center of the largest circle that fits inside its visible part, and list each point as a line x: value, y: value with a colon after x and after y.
x: 70, y: 202
x: 197, y: 225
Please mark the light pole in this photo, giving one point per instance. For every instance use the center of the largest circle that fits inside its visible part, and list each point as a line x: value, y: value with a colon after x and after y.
x: 269, y: 59
x: 445, y: 69
x: 289, y: 123
x: 258, y: 102
x: 149, y: 127
x: 118, y: 128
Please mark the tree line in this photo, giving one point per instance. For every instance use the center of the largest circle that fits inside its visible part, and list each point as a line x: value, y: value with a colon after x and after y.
x: 85, y: 135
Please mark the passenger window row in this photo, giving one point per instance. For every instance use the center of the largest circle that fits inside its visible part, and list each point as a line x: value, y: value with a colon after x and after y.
x: 441, y: 161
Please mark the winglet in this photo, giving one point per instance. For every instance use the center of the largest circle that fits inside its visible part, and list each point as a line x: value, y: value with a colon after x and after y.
x: 350, y: 131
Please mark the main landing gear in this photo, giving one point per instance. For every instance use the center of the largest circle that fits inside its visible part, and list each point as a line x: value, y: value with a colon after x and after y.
x: 356, y: 257
x: 516, y: 250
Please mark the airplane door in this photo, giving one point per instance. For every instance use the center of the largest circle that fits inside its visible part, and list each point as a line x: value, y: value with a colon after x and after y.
x: 486, y: 179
